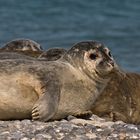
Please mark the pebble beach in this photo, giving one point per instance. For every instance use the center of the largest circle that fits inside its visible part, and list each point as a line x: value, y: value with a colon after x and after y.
x: 94, y: 128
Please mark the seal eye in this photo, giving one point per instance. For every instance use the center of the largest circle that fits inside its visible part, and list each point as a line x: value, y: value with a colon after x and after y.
x: 93, y: 56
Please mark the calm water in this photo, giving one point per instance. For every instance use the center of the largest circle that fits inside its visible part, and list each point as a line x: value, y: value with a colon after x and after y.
x: 61, y: 23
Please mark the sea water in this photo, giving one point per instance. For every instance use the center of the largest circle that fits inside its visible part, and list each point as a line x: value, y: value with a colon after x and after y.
x: 62, y: 23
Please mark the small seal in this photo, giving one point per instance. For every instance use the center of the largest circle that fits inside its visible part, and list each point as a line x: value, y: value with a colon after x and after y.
x: 23, y: 46
x: 29, y: 48
x: 51, y: 90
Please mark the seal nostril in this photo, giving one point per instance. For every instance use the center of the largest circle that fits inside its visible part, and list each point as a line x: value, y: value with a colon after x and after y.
x: 102, y: 62
x: 112, y: 63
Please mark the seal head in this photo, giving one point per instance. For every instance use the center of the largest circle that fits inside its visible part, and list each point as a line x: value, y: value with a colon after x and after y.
x: 23, y: 46
x: 91, y: 56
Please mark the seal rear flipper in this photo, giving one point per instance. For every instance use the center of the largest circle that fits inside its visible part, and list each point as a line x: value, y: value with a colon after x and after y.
x: 47, y: 105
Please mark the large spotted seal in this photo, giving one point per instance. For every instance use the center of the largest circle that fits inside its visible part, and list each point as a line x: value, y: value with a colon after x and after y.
x: 53, y: 90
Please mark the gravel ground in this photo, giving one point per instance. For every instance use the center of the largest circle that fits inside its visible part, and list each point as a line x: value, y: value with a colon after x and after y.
x: 72, y: 129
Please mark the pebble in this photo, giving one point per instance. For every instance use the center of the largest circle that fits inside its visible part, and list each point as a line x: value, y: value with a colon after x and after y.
x: 71, y: 129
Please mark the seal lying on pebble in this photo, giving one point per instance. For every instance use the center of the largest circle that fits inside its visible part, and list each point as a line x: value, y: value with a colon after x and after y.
x: 49, y: 90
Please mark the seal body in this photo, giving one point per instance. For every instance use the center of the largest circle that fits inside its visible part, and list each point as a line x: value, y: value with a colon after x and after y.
x: 49, y: 90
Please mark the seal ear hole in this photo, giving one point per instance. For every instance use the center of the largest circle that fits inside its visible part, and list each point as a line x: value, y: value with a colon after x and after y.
x: 93, y: 56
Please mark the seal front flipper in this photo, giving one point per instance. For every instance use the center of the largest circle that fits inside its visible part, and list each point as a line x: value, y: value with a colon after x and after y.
x: 47, y: 105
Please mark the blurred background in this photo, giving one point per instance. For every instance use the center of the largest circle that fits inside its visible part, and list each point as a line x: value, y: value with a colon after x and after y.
x: 62, y: 23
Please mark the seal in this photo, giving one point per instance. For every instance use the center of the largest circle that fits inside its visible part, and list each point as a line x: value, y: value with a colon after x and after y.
x: 52, y: 54
x: 111, y: 100
x: 120, y: 99
x: 29, y: 48
x: 51, y: 90
x: 23, y: 46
